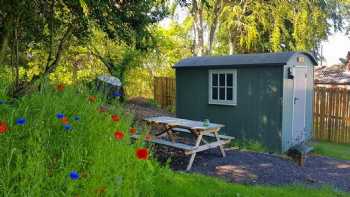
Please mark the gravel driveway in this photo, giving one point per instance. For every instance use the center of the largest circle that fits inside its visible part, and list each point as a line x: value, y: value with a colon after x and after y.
x: 260, y: 168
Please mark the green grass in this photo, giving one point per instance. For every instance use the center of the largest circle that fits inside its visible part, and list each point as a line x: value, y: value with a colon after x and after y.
x: 338, y: 151
x: 36, y: 158
x: 179, y: 184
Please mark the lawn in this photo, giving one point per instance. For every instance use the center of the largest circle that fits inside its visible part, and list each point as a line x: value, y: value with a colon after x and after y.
x: 59, y: 142
x: 338, y: 151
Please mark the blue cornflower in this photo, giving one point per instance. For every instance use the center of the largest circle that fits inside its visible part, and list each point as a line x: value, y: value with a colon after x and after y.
x: 67, y: 127
x: 117, y: 94
x: 74, y: 175
x: 76, y: 117
x: 2, y: 101
x: 21, y: 121
x: 59, y: 115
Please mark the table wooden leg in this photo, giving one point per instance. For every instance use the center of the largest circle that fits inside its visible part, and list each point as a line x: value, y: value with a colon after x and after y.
x: 221, y: 146
x: 170, y: 134
x: 198, y: 142
x: 168, y: 131
x: 196, y: 134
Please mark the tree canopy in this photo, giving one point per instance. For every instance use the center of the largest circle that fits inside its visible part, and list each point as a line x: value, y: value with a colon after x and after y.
x: 234, y: 26
x: 54, y: 25
x: 72, y: 40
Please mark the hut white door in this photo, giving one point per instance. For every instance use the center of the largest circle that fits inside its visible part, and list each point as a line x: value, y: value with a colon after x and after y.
x: 299, y: 106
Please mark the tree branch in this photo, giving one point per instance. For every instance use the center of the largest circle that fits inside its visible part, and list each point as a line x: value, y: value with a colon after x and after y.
x: 49, y: 58
x: 63, y: 41
x: 108, y: 64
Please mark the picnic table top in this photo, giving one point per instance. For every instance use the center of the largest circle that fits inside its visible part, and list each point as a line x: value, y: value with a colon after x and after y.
x: 183, y: 123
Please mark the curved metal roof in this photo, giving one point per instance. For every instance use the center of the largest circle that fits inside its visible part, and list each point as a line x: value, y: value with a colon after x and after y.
x: 253, y: 59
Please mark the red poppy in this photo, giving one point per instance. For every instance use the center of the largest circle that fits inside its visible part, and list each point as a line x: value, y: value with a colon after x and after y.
x: 115, y: 118
x: 118, y: 135
x: 60, y: 87
x: 148, y: 137
x: 3, y: 127
x: 64, y: 120
x: 132, y: 130
x: 142, y: 153
x: 92, y: 99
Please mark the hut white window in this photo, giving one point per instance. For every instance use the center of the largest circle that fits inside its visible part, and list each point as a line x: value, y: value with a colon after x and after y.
x: 223, y: 87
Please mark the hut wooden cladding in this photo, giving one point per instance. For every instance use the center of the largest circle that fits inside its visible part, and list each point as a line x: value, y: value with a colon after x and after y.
x: 265, y: 97
x: 331, y: 109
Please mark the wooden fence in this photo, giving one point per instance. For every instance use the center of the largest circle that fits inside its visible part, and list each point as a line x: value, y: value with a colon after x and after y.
x: 331, y: 108
x: 164, y: 91
x: 332, y: 114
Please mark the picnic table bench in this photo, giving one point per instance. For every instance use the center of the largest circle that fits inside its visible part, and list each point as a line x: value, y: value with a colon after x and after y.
x: 197, y: 129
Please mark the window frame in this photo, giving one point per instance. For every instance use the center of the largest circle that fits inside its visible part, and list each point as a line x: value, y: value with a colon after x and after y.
x: 219, y: 101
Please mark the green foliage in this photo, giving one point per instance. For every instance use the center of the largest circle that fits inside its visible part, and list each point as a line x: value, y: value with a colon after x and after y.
x: 153, y: 103
x: 62, y: 24
x: 271, y: 26
x: 130, y: 20
x: 77, y: 65
x: 173, y: 45
x: 181, y: 184
x: 5, y: 81
x: 171, y: 109
x: 339, y: 151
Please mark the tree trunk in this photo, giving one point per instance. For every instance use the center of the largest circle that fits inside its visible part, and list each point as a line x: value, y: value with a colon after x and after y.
x: 16, y: 53
x: 231, y: 43
x: 193, y: 47
x: 197, y: 13
x: 108, y: 63
x: 67, y: 35
x: 215, y: 20
x: 3, y: 45
x: 52, y: 12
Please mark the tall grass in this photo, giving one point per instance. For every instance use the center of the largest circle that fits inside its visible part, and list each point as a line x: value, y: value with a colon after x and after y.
x: 36, y: 158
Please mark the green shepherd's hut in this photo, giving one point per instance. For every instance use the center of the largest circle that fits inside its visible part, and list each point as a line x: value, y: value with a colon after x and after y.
x: 265, y: 97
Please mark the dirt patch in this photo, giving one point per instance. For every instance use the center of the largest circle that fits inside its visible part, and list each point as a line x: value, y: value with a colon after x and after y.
x: 142, y: 108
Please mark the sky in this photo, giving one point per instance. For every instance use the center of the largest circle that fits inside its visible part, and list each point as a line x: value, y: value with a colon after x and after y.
x: 335, y: 47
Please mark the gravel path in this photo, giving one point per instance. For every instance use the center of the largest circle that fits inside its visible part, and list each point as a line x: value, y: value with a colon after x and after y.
x: 141, y: 108
x: 260, y: 168
x: 251, y: 167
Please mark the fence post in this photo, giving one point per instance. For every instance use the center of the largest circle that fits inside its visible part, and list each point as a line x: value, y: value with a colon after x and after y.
x: 331, y: 114
x: 164, y: 91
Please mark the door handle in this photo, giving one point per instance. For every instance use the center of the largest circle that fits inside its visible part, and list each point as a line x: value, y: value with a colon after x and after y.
x: 295, y: 99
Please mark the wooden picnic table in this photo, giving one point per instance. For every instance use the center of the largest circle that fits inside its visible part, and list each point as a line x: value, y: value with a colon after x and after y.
x: 198, y: 129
